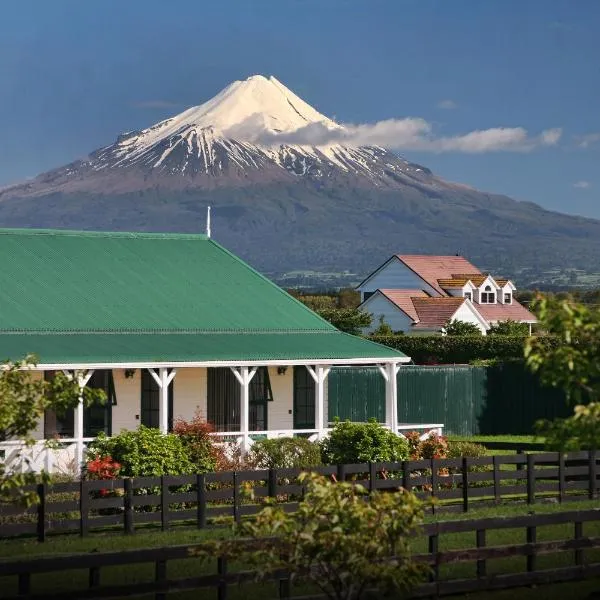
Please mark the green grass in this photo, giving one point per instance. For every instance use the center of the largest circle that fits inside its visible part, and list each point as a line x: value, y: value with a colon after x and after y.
x: 68, y: 544
x: 513, y: 439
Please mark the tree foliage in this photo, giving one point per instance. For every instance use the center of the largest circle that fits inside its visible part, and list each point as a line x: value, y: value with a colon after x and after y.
x: 349, y: 320
x: 456, y: 327
x: 24, y: 396
x: 335, y: 540
x: 572, y: 365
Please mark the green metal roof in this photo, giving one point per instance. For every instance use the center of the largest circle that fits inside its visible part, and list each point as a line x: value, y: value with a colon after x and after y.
x: 129, y: 348
x: 72, y: 296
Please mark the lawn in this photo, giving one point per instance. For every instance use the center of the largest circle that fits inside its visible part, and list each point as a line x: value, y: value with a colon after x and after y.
x: 15, y: 549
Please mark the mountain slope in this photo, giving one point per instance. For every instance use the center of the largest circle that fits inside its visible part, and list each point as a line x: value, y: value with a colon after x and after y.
x: 284, y: 204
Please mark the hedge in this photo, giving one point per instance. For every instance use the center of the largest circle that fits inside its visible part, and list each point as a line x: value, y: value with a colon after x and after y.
x: 437, y: 349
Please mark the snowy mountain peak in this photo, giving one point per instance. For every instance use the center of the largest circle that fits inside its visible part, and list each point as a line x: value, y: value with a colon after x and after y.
x: 238, y: 135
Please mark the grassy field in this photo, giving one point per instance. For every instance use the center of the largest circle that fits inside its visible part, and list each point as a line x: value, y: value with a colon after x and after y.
x: 16, y: 549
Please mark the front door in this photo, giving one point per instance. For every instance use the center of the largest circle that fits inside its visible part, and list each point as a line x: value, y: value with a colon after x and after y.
x: 304, y: 399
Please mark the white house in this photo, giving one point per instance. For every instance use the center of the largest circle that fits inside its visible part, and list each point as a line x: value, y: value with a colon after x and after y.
x: 421, y: 293
x: 168, y: 325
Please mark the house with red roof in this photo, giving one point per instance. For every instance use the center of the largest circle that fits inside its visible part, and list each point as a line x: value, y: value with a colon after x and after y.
x: 421, y: 293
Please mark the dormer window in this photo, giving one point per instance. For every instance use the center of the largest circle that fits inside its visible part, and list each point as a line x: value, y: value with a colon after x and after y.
x: 507, y: 298
x: 487, y: 296
x: 469, y: 295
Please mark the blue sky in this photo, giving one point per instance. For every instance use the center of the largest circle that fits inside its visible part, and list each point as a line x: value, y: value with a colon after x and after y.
x: 75, y: 74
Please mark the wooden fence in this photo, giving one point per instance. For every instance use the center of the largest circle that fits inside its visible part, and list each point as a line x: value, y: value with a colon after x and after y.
x: 198, y: 500
x: 574, y: 563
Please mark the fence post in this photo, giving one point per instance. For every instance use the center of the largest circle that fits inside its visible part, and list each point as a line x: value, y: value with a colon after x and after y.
x: 164, y: 504
x: 341, y: 473
x: 84, y: 501
x: 272, y: 484
x: 372, y: 478
x: 531, y: 479
x: 481, y: 564
x: 433, y: 550
x: 201, y: 499
x: 562, y: 487
x: 465, y: 483
x: 578, y: 534
x: 160, y: 578
x: 285, y: 589
x: 593, y: 474
x: 496, y: 467
x: 222, y: 571
x: 128, y: 505
x: 24, y: 584
x: 531, y: 539
x: 94, y: 577
x: 434, y: 482
x: 41, y: 512
x: 405, y: 475
x: 236, y: 499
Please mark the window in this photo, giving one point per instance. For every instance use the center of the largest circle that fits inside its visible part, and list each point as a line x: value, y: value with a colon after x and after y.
x: 96, y: 418
x: 223, y: 399
x: 304, y: 399
x: 150, y: 402
x: 58, y: 425
x: 507, y: 298
x: 487, y: 296
x: 367, y: 295
x: 469, y: 295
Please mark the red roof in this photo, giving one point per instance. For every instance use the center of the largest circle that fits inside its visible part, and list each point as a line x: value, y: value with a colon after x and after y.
x: 403, y: 300
x: 434, y: 313
x: 505, y: 312
x: 432, y: 268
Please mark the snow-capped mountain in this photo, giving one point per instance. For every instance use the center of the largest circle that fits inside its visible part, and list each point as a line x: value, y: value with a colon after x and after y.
x: 290, y: 193
x: 234, y: 137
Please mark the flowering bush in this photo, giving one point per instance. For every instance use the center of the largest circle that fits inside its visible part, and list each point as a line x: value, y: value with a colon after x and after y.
x: 102, y: 468
x: 434, y: 446
x: 196, y: 439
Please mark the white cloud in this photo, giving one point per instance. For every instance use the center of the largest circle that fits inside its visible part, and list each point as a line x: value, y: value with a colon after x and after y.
x: 582, y: 185
x: 400, y: 134
x: 587, y: 139
x: 447, y: 104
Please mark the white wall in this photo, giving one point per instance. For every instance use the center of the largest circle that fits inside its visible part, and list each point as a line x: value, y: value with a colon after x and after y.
x: 189, y: 393
x: 378, y: 306
x: 396, y: 276
x: 465, y: 313
x: 126, y: 414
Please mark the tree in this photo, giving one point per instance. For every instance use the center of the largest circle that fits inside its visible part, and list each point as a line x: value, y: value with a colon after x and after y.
x: 349, y: 320
x: 456, y: 327
x: 509, y: 327
x: 335, y: 540
x: 383, y: 328
x: 573, y: 365
x: 23, y: 400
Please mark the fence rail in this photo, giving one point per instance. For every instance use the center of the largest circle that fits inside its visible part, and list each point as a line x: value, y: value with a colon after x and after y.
x: 574, y: 546
x: 458, y: 484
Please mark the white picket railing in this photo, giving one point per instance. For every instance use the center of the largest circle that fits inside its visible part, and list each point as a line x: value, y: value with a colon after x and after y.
x: 59, y: 456
x: 52, y: 456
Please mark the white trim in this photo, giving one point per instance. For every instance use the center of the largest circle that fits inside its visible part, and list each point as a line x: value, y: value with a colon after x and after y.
x: 483, y: 322
x: 218, y: 363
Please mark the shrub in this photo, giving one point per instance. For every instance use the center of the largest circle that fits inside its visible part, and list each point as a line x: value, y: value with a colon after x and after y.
x: 350, y: 443
x: 335, y: 541
x: 285, y: 453
x: 437, y: 349
x: 456, y: 327
x: 144, y: 452
x: 460, y: 449
x: 509, y: 327
x: 433, y: 446
x: 581, y: 431
x: 200, y: 446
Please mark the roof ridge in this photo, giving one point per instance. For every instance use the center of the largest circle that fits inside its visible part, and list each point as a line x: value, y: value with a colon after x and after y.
x: 164, y: 331
x: 108, y: 234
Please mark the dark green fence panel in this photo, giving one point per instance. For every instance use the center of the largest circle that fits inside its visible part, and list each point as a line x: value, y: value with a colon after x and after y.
x: 356, y: 394
x: 503, y: 399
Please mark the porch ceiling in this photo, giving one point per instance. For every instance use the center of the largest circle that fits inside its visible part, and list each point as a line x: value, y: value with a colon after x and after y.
x: 194, y: 348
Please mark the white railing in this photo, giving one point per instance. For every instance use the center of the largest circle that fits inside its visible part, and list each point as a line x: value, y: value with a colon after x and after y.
x: 237, y: 438
x: 60, y: 455
x: 52, y: 456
